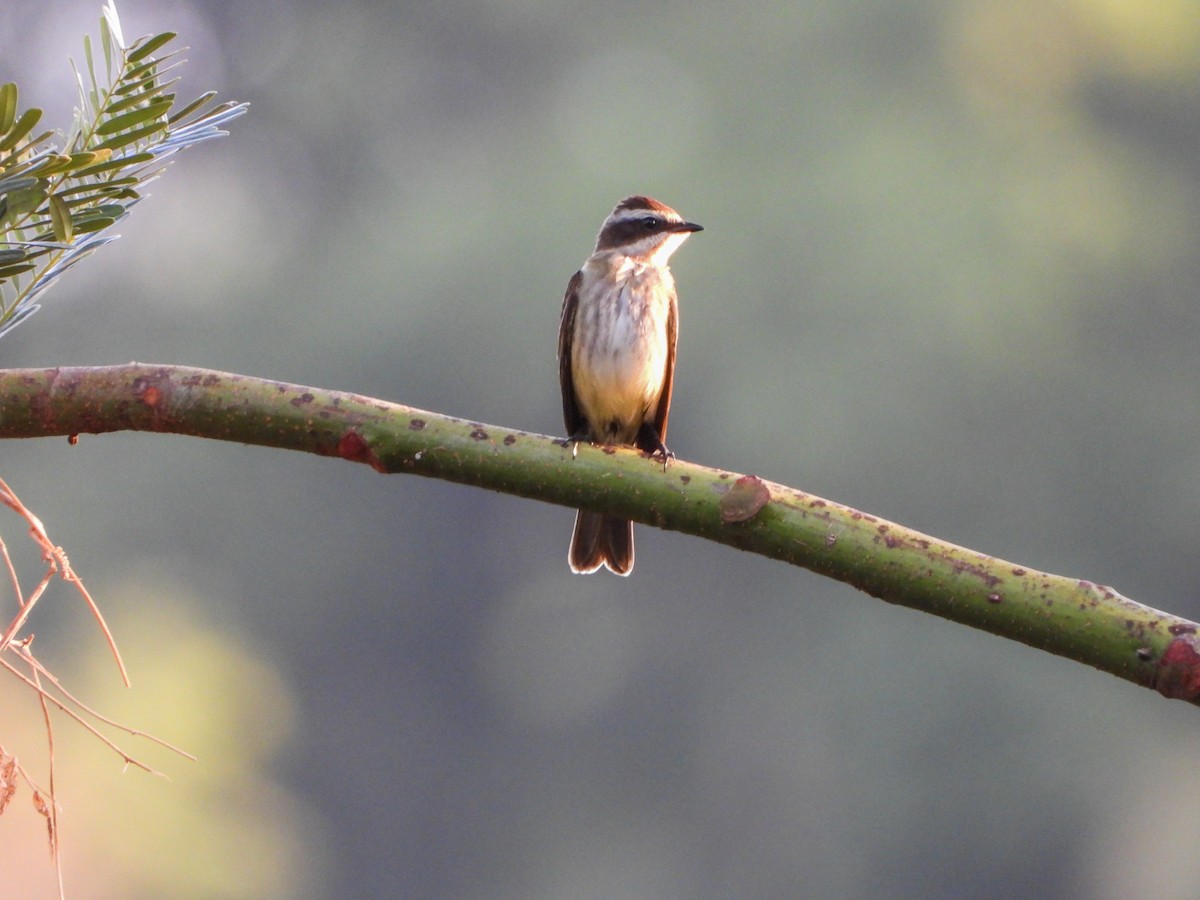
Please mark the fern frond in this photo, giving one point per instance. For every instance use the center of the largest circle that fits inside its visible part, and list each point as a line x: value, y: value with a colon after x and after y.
x: 59, y: 202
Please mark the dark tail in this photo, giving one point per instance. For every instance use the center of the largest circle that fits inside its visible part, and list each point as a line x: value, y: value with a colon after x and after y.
x: 601, y: 540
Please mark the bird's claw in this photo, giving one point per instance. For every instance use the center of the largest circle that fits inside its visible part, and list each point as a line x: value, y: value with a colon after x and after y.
x: 573, y: 441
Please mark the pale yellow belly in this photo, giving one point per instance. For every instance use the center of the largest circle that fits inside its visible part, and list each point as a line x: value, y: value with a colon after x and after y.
x: 618, y: 368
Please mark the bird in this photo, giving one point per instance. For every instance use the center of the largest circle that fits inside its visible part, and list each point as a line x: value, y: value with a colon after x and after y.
x: 616, y: 357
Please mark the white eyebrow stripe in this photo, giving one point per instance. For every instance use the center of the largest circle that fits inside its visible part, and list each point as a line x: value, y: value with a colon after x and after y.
x: 629, y: 215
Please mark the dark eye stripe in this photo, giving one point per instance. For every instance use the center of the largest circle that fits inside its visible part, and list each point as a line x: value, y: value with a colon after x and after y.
x: 615, y: 234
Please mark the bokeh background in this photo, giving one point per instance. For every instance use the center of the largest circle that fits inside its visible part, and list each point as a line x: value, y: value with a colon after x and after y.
x: 949, y: 275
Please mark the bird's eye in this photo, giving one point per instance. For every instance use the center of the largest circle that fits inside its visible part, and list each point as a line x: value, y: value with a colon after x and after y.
x: 649, y: 223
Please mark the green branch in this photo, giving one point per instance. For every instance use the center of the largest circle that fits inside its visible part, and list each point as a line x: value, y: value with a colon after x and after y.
x: 1077, y: 619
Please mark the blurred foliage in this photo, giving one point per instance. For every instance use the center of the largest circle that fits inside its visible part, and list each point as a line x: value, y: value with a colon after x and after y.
x: 59, y: 201
x: 234, y: 830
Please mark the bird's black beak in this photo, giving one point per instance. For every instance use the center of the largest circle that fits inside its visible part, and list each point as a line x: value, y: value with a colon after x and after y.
x: 687, y: 226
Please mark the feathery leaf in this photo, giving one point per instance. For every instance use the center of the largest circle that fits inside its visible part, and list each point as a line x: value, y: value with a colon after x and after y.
x: 58, y: 204
x: 8, y: 106
x: 22, y: 127
x: 141, y: 51
x: 60, y: 216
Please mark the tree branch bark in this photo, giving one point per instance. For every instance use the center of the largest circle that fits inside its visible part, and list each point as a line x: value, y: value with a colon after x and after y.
x: 1070, y: 617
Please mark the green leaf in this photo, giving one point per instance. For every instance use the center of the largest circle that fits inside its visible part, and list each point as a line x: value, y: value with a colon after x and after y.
x: 134, y: 117
x: 87, y: 226
x: 100, y: 210
x: 51, y: 165
x: 145, y: 68
x: 60, y: 217
x: 20, y: 268
x: 88, y: 157
x: 130, y: 137
x: 192, y: 107
x: 26, y: 200
x: 111, y: 210
x: 91, y: 65
x: 120, y: 162
x: 126, y: 102
x: 8, y: 106
x: 149, y: 84
x: 35, y: 252
x: 106, y: 44
x: 143, y: 50
x: 134, y: 99
x: 53, y: 189
x: 18, y: 183
x: 109, y: 12
x: 100, y: 188
x: 23, y: 126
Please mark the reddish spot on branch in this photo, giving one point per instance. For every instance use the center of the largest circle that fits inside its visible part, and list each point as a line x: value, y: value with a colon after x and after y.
x: 1178, y: 676
x: 962, y: 567
x: 744, y: 500
x: 892, y: 541
x: 354, y: 448
x: 148, y: 393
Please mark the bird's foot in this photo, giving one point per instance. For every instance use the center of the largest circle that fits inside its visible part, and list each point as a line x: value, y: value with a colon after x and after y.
x: 573, y: 441
x: 652, y: 445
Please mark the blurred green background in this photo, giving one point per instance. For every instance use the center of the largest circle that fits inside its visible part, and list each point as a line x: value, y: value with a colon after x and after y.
x: 949, y: 276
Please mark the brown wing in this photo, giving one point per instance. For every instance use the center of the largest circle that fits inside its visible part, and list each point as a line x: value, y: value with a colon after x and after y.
x: 572, y: 415
x: 664, y: 399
